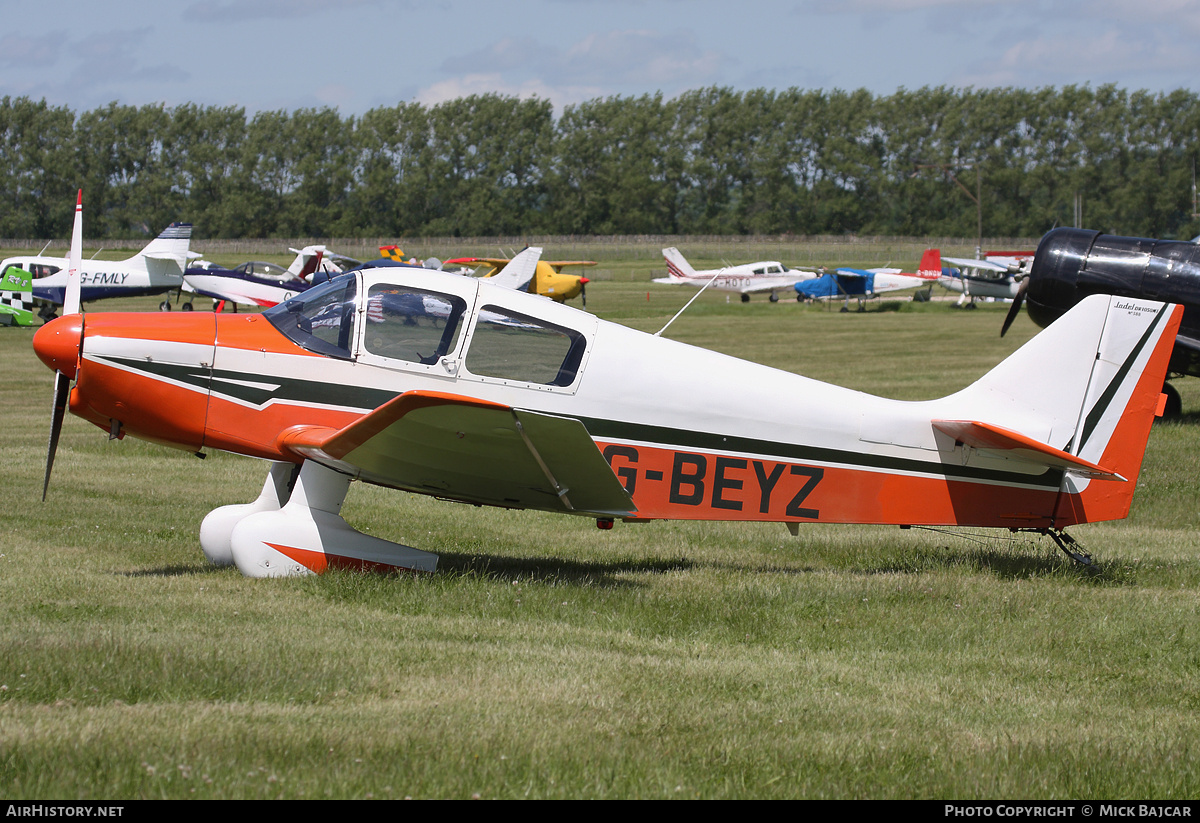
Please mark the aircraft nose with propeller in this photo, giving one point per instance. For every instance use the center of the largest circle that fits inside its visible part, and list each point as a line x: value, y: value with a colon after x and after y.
x: 452, y: 387
x: 1072, y: 264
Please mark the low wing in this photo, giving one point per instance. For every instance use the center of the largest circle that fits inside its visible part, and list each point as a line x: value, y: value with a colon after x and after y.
x: 741, y: 284
x: 466, y: 449
x: 762, y: 284
x: 1016, y: 446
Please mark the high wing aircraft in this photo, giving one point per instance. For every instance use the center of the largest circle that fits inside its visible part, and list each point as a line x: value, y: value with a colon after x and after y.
x: 1072, y: 264
x: 547, y: 279
x: 257, y: 283
x: 864, y: 284
x: 16, y: 297
x: 996, y: 276
x: 745, y: 278
x: 448, y: 386
x: 156, y: 269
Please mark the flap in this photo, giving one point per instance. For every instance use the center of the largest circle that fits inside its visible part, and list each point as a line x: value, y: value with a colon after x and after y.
x: 472, y: 450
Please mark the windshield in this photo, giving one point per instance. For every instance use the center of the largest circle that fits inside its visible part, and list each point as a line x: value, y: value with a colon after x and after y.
x: 320, y: 319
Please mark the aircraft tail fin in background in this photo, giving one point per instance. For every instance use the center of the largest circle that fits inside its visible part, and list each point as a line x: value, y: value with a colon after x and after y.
x: 172, y: 242
x: 1079, y: 397
x: 677, y: 265
x: 166, y: 256
x: 16, y: 297
x: 519, y: 271
x: 931, y: 264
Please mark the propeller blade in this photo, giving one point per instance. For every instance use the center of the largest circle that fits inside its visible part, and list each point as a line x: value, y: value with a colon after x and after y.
x: 71, y: 297
x: 62, y: 389
x: 583, y: 293
x: 1015, y: 308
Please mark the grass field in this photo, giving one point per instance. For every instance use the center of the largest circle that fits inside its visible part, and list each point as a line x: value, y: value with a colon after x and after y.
x: 547, y: 659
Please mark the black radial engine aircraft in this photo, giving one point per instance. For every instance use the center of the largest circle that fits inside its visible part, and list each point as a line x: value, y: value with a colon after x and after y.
x: 1073, y: 263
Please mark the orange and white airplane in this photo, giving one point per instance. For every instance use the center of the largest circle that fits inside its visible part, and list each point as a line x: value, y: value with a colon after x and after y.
x: 449, y: 386
x: 547, y: 278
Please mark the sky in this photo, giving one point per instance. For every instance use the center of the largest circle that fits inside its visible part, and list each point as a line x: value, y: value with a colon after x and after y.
x: 356, y: 55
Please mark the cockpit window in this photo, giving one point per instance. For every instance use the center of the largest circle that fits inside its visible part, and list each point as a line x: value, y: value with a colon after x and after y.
x: 514, y: 346
x: 320, y: 319
x: 412, y: 324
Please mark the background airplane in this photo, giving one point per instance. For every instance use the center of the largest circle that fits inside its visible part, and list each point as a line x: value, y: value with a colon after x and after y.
x: 864, y: 284
x: 978, y: 278
x: 547, y: 278
x: 258, y: 283
x: 16, y: 297
x: 745, y: 278
x: 156, y: 269
x: 1071, y: 264
x: 996, y: 276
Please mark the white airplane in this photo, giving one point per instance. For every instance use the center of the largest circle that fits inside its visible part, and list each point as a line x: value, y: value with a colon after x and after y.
x: 997, y: 276
x: 745, y: 279
x: 257, y: 283
x: 155, y: 269
x: 449, y: 386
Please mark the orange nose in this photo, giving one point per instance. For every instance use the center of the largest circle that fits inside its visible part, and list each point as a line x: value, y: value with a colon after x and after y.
x: 57, y: 343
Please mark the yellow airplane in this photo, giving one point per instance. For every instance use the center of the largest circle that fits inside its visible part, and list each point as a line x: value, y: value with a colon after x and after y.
x: 548, y: 279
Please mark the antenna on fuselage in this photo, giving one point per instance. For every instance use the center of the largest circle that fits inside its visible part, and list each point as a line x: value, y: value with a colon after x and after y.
x: 688, y: 303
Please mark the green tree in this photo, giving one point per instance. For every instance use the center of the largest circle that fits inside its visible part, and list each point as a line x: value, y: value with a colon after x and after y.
x: 37, y: 150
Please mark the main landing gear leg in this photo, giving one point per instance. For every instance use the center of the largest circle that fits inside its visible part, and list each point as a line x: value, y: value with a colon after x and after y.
x: 218, y: 524
x: 307, y: 535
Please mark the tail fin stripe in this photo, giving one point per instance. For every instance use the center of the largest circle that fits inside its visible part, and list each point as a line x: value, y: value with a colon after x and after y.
x: 1105, y: 400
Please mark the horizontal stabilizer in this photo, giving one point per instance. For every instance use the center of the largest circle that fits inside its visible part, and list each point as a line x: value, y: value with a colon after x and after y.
x: 1017, y: 446
x: 472, y: 450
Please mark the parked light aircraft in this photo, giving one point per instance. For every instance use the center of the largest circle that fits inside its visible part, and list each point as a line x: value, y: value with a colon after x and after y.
x: 1072, y: 264
x: 258, y: 283
x: 155, y: 269
x: 745, y: 278
x: 864, y: 284
x: 449, y: 386
x: 547, y: 279
x: 16, y: 297
x: 996, y: 276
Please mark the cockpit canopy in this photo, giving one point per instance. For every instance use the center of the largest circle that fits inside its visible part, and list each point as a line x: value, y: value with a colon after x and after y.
x: 397, y: 323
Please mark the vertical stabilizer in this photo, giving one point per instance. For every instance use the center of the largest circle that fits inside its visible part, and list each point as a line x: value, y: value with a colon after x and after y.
x: 1124, y: 395
x: 931, y: 265
x: 677, y: 264
x: 517, y: 273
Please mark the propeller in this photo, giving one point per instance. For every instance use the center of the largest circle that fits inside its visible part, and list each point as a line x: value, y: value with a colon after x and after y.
x: 71, y: 305
x: 583, y: 281
x: 1015, y: 308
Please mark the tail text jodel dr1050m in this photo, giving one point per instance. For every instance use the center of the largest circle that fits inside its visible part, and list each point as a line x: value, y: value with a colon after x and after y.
x: 445, y: 385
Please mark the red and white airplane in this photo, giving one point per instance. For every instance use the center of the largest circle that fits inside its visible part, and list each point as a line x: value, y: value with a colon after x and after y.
x: 745, y: 278
x: 452, y: 387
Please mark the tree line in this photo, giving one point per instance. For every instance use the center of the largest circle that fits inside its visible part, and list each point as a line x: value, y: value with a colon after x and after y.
x: 710, y: 161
